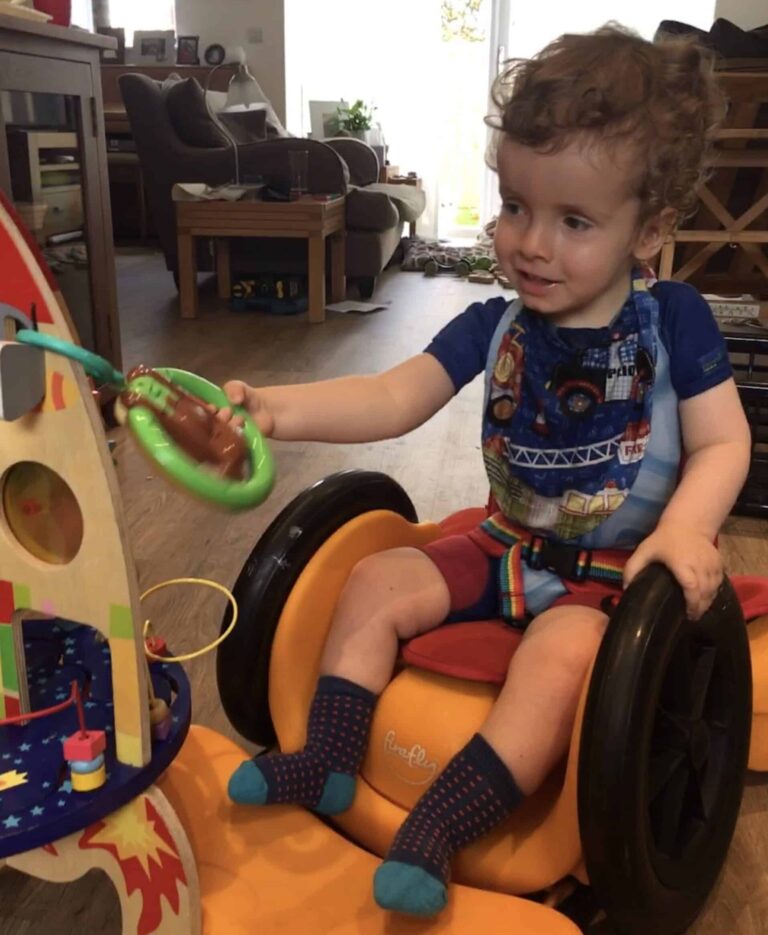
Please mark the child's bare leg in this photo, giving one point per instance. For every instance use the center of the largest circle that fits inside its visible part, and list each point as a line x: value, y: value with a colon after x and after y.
x: 530, y: 725
x: 390, y: 596
x: 525, y: 734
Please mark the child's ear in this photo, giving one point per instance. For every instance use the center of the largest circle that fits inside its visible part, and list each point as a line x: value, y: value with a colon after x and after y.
x: 654, y: 232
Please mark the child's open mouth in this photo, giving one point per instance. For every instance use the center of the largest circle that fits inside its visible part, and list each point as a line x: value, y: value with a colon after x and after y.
x: 535, y: 284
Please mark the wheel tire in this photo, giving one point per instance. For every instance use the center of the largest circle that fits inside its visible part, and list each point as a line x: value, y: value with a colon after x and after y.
x: 269, y: 575
x: 463, y: 268
x: 664, y: 747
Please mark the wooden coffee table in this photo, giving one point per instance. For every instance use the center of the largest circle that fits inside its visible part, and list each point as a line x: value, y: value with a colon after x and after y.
x: 307, y: 218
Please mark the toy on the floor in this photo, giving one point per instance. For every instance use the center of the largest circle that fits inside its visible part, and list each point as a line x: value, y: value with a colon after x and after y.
x: 465, y: 266
x: 277, y: 295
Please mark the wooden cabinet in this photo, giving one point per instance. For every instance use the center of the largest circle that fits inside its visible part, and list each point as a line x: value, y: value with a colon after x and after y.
x: 50, y: 83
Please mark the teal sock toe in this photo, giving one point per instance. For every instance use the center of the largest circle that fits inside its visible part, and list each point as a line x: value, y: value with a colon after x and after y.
x: 338, y: 793
x: 405, y: 888
x: 247, y: 785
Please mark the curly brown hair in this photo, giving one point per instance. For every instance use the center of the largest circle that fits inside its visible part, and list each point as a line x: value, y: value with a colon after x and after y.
x: 613, y: 87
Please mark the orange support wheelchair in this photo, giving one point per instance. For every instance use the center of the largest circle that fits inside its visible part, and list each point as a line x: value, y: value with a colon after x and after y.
x: 638, y: 818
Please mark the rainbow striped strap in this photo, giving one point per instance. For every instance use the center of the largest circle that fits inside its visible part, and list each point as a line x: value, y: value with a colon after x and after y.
x: 511, y: 585
x: 604, y: 565
x: 608, y: 565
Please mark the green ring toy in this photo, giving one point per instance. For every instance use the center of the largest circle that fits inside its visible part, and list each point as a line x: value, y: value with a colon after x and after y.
x: 184, y: 470
x: 155, y: 441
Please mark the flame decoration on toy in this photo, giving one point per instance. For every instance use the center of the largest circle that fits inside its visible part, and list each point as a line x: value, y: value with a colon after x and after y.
x: 138, y: 839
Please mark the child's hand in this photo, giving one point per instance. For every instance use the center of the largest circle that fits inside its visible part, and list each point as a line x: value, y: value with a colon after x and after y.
x: 691, y: 557
x: 240, y: 394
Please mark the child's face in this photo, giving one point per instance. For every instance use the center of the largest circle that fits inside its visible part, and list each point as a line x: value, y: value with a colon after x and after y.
x: 568, y: 232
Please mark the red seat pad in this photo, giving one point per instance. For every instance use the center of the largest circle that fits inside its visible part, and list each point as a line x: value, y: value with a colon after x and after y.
x: 476, y: 650
x: 752, y: 593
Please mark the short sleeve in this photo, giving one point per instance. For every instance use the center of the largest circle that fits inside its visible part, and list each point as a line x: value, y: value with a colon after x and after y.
x: 462, y: 345
x: 697, y: 351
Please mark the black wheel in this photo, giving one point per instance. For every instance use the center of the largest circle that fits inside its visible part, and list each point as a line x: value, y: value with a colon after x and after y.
x: 366, y: 285
x: 267, y: 578
x: 663, y: 756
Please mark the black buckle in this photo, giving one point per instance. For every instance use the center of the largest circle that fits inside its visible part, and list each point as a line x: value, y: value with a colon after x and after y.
x: 559, y: 558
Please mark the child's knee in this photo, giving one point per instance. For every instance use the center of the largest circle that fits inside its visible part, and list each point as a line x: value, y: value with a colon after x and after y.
x: 376, y: 576
x: 570, y: 648
x: 398, y: 589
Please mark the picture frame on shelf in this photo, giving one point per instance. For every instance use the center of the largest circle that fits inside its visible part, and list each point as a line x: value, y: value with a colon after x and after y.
x: 187, y: 50
x: 113, y: 56
x: 323, y: 118
x: 154, y: 47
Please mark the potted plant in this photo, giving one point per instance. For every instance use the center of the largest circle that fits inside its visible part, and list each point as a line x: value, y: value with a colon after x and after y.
x: 356, y: 120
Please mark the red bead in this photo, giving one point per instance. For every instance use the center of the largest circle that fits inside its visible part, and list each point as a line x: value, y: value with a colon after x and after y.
x: 85, y: 746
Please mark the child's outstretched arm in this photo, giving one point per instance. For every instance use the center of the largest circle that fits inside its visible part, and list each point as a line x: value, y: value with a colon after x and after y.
x: 717, y: 444
x: 349, y: 409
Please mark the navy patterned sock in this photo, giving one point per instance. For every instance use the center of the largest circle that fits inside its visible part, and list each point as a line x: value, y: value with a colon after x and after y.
x: 473, y: 794
x: 322, y: 775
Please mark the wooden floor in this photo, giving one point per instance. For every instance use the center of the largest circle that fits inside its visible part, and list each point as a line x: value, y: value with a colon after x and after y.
x: 439, y: 465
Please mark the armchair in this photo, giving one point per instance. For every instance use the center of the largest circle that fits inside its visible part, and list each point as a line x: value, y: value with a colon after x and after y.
x: 374, y: 225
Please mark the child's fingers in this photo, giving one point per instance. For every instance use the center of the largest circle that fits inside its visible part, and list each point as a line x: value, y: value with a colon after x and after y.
x: 235, y: 391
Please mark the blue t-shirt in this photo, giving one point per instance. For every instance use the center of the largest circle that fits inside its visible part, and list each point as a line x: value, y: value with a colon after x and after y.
x: 697, y: 352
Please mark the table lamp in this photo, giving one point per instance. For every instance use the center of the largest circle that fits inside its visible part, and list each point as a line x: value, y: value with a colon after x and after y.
x: 243, y: 92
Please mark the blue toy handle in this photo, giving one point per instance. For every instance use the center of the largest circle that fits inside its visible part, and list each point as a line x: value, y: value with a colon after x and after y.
x: 95, y: 366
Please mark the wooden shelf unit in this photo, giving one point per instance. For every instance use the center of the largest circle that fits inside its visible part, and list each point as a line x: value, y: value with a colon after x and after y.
x: 32, y: 155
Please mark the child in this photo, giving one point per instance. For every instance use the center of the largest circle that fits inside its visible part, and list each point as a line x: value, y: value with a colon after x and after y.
x: 596, y: 385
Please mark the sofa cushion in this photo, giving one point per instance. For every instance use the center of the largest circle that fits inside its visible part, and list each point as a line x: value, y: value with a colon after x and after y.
x: 371, y: 211
x: 245, y: 126
x: 187, y: 111
x: 217, y: 101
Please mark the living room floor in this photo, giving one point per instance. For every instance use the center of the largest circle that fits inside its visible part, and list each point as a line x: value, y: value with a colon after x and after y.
x: 439, y: 465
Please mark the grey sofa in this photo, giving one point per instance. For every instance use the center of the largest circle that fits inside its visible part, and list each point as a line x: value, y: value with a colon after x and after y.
x: 191, y: 148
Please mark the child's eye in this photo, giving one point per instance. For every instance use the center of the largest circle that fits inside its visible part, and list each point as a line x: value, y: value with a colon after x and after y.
x: 512, y: 207
x: 576, y: 223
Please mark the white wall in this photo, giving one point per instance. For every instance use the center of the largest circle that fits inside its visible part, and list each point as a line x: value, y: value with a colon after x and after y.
x: 744, y: 13
x: 228, y: 23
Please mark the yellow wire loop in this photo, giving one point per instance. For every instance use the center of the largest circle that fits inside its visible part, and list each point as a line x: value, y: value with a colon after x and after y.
x: 198, y: 652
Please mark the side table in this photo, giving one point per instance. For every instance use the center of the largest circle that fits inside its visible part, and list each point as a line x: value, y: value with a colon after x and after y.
x: 307, y: 217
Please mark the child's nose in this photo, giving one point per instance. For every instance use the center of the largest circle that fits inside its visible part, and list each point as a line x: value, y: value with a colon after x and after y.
x: 536, y: 243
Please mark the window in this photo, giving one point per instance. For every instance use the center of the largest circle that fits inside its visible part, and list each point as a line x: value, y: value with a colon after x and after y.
x: 141, y: 14
x: 82, y: 13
